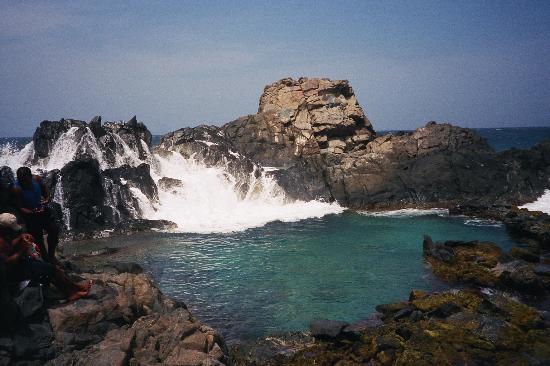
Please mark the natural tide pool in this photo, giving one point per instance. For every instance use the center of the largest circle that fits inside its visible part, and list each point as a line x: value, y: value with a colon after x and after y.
x: 279, y: 277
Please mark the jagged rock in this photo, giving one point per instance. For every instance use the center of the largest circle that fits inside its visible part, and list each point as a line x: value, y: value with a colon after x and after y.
x: 208, y: 145
x: 140, y: 225
x: 305, y: 180
x: 93, y: 137
x: 132, y: 122
x: 138, y: 177
x: 526, y: 224
x: 49, y: 132
x: 97, y: 200
x: 482, y: 264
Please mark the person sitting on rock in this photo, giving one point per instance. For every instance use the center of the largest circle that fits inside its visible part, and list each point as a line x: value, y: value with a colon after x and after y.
x: 20, y: 255
x: 31, y: 198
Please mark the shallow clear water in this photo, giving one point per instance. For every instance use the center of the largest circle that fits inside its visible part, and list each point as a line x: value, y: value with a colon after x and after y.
x: 281, y: 276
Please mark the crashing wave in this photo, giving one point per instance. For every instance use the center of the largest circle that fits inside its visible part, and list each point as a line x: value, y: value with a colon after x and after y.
x: 208, y: 198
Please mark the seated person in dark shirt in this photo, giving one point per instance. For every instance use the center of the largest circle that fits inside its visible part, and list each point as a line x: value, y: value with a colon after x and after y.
x: 31, y: 198
x: 23, y: 262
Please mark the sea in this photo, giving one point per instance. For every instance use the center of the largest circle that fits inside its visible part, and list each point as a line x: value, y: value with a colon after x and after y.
x: 262, y: 266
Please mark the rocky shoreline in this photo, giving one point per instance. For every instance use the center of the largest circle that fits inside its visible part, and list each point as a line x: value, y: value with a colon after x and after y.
x: 313, y: 138
x: 125, y: 320
x: 496, y: 311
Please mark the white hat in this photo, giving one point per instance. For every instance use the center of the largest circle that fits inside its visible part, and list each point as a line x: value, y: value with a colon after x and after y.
x: 10, y: 221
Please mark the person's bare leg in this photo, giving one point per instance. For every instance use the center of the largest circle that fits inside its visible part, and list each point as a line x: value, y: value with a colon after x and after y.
x: 71, y: 289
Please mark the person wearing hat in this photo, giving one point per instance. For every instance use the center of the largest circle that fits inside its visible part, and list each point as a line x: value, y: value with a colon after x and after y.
x: 23, y: 263
x: 31, y: 198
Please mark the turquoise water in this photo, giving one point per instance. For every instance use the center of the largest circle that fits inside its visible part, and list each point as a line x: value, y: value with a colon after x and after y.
x: 281, y: 276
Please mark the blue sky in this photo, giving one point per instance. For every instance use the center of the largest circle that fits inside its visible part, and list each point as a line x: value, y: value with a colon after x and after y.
x: 179, y: 63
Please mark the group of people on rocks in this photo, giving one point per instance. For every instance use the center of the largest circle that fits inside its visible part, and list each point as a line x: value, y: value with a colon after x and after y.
x: 24, y: 255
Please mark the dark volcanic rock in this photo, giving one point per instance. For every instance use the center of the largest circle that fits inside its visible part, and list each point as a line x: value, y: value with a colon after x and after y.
x: 91, y: 138
x: 49, y: 132
x: 305, y: 180
x: 140, y: 225
x: 138, y: 177
x: 83, y: 195
x: 208, y: 145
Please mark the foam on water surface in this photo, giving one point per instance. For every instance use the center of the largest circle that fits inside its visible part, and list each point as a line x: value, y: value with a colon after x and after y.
x: 406, y: 212
x: 210, y: 199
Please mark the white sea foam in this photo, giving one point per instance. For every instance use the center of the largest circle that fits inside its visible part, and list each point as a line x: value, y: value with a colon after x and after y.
x: 407, y: 212
x: 209, y: 201
x: 13, y: 157
x: 541, y: 204
x: 482, y: 222
x: 207, y: 143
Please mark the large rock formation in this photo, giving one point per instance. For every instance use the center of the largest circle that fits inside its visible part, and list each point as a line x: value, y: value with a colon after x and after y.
x: 316, y: 133
x: 437, y: 165
x: 300, y: 118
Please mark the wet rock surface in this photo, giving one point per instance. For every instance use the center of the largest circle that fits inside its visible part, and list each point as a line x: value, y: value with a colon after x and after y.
x: 124, y: 320
x: 448, y: 328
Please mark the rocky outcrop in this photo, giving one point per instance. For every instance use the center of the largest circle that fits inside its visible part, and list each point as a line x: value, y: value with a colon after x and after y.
x: 301, y: 118
x: 111, y: 140
x: 124, y: 320
x: 47, y: 134
x: 522, y: 269
x: 318, y: 136
x: 93, y: 199
x: 457, y: 261
x: 447, y: 328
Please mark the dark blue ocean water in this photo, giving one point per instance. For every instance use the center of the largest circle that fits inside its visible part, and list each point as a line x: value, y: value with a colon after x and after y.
x: 499, y: 138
